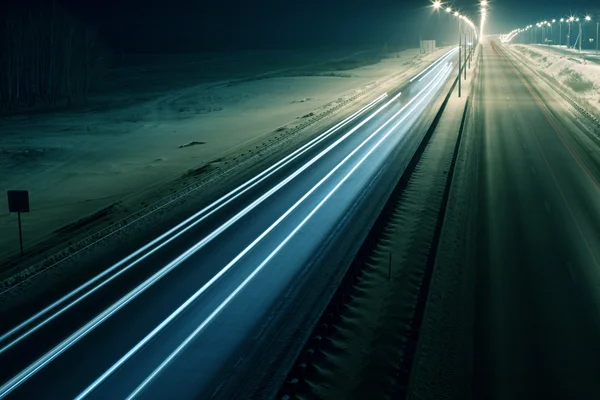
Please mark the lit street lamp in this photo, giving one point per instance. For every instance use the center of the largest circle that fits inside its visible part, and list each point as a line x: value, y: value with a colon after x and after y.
x: 588, y: 18
x: 560, y: 32
x: 580, y: 33
x: 571, y: 20
x: 469, y: 38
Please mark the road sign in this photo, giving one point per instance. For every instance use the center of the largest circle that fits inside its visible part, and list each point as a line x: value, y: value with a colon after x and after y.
x: 18, y: 201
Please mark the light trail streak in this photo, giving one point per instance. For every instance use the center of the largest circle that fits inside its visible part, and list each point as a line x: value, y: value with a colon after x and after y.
x: 198, y: 217
x: 164, y: 364
x: 92, y: 324
x: 205, y: 287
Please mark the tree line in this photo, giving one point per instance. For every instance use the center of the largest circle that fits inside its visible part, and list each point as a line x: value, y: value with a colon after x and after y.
x: 47, y: 57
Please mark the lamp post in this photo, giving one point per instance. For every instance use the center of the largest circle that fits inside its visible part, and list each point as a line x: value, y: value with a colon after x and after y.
x: 571, y: 19
x: 532, y: 36
x: 437, y: 5
x: 577, y: 20
x: 560, y: 32
x: 459, y: 53
x: 588, y: 18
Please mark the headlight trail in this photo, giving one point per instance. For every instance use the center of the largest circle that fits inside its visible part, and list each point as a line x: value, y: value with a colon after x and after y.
x: 205, y: 287
x: 92, y: 324
x: 191, y: 337
x: 435, y: 63
x: 202, y: 214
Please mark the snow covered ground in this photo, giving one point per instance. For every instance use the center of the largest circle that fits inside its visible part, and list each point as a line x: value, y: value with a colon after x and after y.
x: 131, y: 141
x: 579, y: 78
x: 585, y: 53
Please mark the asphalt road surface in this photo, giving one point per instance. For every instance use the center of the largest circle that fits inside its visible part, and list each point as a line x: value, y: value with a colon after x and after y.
x: 184, y: 315
x: 538, y: 242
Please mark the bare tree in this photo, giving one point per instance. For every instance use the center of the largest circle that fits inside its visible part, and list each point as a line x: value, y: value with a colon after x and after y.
x: 46, y: 55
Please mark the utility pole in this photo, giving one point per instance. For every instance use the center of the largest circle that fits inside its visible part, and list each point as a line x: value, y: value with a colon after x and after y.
x: 569, y: 36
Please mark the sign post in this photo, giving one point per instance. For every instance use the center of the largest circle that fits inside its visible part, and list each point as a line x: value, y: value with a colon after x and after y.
x: 18, y: 201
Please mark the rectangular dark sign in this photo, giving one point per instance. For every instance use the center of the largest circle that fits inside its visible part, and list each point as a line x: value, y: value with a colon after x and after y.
x: 18, y: 200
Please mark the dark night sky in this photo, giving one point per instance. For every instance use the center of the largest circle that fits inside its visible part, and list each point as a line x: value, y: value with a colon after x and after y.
x: 200, y: 25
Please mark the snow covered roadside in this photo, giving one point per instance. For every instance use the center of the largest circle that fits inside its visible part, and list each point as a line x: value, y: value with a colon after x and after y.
x: 121, y: 160
x: 442, y: 362
x: 579, y: 79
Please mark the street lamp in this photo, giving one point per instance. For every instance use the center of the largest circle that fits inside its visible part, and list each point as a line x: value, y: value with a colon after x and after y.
x: 437, y: 4
x: 560, y: 32
x: 571, y: 20
x: 580, y: 33
x: 587, y: 19
x: 448, y: 9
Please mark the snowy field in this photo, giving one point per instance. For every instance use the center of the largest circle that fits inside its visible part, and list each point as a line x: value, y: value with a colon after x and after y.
x: 579, y: 78
x: 162, y: 118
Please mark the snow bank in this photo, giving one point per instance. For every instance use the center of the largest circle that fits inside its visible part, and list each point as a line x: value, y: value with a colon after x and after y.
x: 578, y: 77
x: 79, y: 162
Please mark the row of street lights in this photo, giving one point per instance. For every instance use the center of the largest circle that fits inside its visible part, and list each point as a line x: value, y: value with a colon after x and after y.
x: 470, y: 36
x: 544, y: 25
